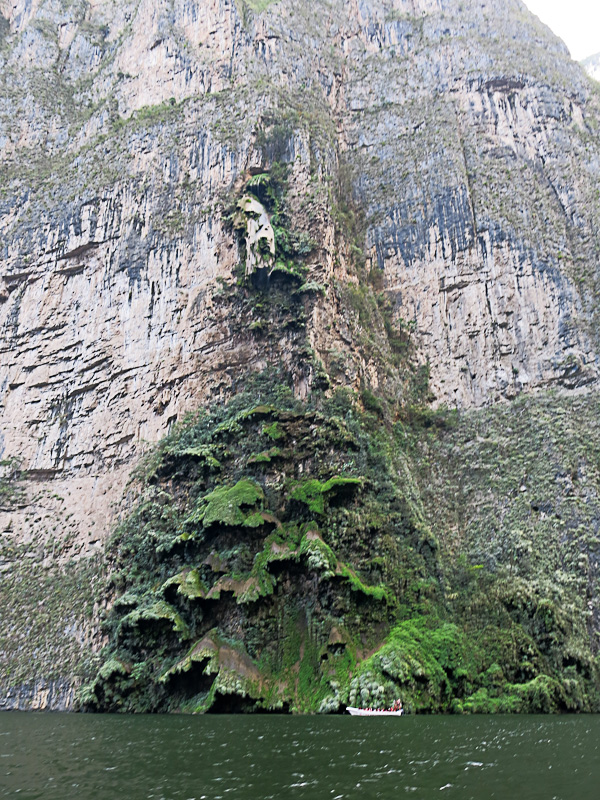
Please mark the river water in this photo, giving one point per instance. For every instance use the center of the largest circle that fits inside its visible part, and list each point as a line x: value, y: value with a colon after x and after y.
x: 64, y: 756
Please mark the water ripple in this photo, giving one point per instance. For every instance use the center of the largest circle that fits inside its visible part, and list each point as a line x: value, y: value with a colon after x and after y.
x: 68, y: 757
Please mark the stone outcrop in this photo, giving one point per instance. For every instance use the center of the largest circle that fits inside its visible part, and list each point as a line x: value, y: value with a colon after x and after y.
x: 42, y: 696
x: 448, y: 150
x: 458, y: 136
x: 259, y: 237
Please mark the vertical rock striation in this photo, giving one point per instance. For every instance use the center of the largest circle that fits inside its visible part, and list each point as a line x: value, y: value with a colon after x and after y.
x: 446, y: 154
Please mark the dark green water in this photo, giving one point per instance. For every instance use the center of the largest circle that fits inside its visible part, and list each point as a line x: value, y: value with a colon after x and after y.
x: 63, y: 756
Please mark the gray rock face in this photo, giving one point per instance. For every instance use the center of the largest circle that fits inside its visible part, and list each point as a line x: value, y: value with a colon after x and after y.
x: 461, y: 134
x: 43, y: 695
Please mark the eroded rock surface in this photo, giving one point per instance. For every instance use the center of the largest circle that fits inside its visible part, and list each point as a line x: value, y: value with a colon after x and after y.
x: 449, y: 151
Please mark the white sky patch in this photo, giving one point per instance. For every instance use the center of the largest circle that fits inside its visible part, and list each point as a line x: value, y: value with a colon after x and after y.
x: 577, y: 22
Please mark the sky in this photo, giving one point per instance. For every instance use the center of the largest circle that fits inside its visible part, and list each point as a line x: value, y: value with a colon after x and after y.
x: 577, y: 22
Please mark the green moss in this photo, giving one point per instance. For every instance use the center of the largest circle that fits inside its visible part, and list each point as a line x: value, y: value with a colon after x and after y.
x: 338, y: 483
x: 273, y: 431
x: 265, y: 457
x: 371, y: 402
x: 313, y: 492
x: 256, y: 6
x: 320, y: 557
x: 150, y: 115
x: 414, y: 662
x: 226, y: 504
x: 204, y: 453
x: 189, y: 584
x: 254, y: 520
x: 259, y: 411
x: 157, y: 612
x: 209, y: 540
x: 452, y: 630
x: 380, y: 593
x: 542, y: 695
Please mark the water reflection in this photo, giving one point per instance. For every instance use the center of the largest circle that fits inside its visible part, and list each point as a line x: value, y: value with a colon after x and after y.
x: 60, y: 757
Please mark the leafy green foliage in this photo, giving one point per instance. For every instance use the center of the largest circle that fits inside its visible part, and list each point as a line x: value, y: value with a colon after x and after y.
x: 321, y: 579
x: 222, y: 540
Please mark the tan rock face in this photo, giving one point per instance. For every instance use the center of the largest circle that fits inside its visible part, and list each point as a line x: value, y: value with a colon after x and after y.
x: 496, y: 315
x: 258, y: 234
x: 460, y: 135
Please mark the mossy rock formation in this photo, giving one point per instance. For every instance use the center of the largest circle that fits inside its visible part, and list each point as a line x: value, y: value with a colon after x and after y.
x: 313, y: 225
x: 311, y: 579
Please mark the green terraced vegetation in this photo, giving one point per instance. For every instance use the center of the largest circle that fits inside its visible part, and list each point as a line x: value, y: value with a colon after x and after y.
x: 267, y: 559
x: 314, y: 579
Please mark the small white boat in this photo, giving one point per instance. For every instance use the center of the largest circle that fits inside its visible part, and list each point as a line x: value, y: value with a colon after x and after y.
x: 369, y: 712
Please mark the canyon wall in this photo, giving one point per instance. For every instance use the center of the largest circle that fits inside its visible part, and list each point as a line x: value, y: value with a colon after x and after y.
x: 445, y: 154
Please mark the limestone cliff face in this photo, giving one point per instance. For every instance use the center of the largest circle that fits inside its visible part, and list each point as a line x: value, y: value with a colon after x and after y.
x: 464, y: 135
x: 449, y: 150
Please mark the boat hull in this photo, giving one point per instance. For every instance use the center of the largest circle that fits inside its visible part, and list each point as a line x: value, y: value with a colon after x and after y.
x: 363, y: 712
